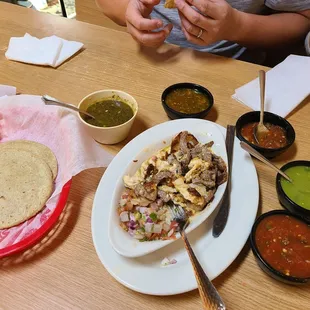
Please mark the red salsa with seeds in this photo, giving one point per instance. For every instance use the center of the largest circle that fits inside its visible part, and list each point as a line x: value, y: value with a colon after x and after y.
x: 275, y: 138
x: 284, y: 243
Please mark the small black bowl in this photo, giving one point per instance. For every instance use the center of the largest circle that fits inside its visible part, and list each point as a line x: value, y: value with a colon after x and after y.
x: 285, y: 201
x: 263, y: 264
x: 173, y: 114
x: 271, y: 118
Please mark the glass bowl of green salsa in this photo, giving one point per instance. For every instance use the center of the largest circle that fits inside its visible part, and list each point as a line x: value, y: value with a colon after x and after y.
x: 114, y: 112
x: 295, y: 196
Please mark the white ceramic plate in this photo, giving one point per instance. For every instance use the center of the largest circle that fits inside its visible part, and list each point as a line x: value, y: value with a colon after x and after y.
x: 129, y: 160
x: 145, y: 274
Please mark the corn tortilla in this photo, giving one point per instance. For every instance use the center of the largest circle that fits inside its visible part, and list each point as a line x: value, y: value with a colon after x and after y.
x: 37, y: 149
x: 26, y: 183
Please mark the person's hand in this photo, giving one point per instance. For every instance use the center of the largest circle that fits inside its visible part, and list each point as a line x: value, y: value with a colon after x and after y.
x: 143, y: 29
x: 216, y: 21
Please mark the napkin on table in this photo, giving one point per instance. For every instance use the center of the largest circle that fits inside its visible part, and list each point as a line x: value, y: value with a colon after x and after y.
x: 27, y: 117
x: 287, y: 85
x: 50, y: 51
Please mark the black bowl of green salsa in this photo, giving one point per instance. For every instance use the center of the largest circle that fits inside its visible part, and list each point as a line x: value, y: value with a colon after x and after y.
x: 295, y: 196
x: 187, y: 100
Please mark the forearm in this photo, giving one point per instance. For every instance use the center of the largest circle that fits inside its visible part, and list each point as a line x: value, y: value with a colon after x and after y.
x: 114, y: 9
x: 270, y: 31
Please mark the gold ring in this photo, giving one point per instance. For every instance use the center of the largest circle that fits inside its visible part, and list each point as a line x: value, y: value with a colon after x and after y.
x: 200, y: 33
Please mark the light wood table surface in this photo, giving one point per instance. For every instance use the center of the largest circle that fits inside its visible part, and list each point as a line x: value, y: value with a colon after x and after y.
x: 64, y: 272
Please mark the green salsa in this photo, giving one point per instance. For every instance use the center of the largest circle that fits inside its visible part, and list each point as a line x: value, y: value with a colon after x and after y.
x: 187, y: 101
x: 299, y: 190
x: 108, y: 113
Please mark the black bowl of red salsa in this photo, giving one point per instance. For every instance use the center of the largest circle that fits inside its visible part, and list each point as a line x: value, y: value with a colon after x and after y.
x: 187, y: 100
x: 280, y: 137
x: 280, y: 243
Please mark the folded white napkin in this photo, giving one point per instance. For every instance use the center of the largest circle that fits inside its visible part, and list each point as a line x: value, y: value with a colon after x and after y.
x: 287, y: 85
x: 50, y: 51
x: 6, y: 90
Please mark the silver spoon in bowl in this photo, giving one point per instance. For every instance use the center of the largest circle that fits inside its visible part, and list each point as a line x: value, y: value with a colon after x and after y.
x: 51, y: 101
x: 260, y: 131
x: 263, y: 159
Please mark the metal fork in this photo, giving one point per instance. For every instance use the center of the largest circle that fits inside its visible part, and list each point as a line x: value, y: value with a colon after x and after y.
x: 208, y: 293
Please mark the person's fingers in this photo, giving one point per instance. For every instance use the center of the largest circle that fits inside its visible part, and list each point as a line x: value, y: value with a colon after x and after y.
x: 207, y: 7
x: 151, y: 39
x: 191, y: 38
x: 134, y: 17
x: 189, y: 27
x: 193, y: 16
x: 150, y: 2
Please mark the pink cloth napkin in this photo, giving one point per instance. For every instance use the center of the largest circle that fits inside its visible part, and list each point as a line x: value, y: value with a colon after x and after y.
x: 26, y: 117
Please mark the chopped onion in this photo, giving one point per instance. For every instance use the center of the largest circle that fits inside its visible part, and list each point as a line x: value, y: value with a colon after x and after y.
x: 166, y: 261
x: 149, y: 227
x: 149, y: 220
x: 132, y: 217
x: 131, y: 232
x: 143, y: 210
x: 138, y: 236
x: 124, y: 216
x: 157, y: 228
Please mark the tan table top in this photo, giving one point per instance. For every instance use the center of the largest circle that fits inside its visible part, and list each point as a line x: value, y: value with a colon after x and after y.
x: 64, y: 272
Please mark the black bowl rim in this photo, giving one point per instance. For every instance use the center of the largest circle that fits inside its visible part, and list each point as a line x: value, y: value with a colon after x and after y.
x: 258, y: 255
x: 279, y: 186
x: 259, y: 148
x: 192, y: 86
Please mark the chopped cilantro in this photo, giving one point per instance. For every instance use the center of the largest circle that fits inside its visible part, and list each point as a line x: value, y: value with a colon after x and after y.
x: 153, y: 216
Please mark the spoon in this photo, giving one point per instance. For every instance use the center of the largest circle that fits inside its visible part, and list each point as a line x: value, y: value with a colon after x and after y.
x: 260, y: 131
x: 259, y: 156
x: 210, y: 297
x: 50, y: 101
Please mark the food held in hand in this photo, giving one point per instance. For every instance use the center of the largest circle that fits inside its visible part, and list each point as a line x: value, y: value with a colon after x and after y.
x: 275, y: 138
x: 284, y: 243
x: 298, y: 190
x: 169, y: 4
x: 186, y: 173
x: 187, y: 100
x: 108, y: 113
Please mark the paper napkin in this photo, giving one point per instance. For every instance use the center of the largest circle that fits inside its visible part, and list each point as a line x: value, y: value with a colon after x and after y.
x: 287, y: 85
x: 50, y: 51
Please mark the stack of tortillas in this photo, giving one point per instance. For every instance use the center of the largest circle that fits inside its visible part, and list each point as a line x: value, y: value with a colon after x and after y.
x: 169, y: 4
x: 28, y: 170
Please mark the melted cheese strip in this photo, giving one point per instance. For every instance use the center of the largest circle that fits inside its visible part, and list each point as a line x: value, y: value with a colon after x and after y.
x: 196, y: 166
x: 182, y: 188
